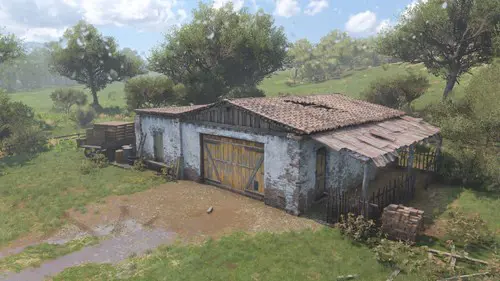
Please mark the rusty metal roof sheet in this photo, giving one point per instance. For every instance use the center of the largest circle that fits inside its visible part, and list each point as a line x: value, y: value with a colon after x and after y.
x: 172, y: 110
x: 378, y: 141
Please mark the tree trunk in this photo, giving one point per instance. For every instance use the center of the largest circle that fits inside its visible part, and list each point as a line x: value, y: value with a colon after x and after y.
x: 95, y: 100
x: 450, y: 83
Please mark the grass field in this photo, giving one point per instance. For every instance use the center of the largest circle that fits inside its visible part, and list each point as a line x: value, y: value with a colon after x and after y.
x: 353, y: 84
x: 306, y: 255
x: 36, y: 193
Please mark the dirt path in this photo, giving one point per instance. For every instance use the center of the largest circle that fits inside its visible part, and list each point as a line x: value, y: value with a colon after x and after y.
x: 138, y: 222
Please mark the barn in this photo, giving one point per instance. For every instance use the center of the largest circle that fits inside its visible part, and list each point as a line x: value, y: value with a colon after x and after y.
x: 287, y: 151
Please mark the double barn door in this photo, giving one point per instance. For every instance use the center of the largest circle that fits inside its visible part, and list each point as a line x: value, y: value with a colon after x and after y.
x: 234, y: 163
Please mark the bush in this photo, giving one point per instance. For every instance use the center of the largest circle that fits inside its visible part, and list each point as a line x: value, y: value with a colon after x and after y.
x: 64, y: 99
x: 169, y: 173
x: 398, y: 92
x: 98, y: 161
x: 243, y: 92
x: 152, y: 91
x: 83, y: 117
x: 471, y: 129
x: 139, y: 165
x: 357, y: 228
x: 20, y: 131
x: 468, y: 230
x: 409, y: 259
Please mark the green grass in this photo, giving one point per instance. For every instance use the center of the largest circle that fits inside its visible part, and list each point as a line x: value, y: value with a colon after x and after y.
x: 354, y: 83
x: 35, y: 193
x: 33, y: 256
x: 305, y: 255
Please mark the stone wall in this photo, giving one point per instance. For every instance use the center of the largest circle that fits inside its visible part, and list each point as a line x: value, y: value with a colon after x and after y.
x: 169, y: 127
x: 402, y: 223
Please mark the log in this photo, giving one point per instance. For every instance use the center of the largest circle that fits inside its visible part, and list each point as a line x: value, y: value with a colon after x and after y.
x: 461, y: 277
x: 456, y: 256
x: 348, y: 277
x: 393, y: 275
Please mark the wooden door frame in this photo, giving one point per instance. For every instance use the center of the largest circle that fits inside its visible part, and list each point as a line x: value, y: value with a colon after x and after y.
x: 246, y: 192
x: 324, y: 151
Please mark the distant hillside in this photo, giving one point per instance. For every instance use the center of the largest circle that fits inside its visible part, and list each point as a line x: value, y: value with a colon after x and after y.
x: 355, y: 82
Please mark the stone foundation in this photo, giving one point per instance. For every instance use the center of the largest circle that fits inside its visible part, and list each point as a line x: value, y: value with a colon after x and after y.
x: 402, y: 223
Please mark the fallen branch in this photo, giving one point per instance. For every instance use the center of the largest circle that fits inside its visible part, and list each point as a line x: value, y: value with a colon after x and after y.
x: 461, y: 277
x: 348, y: 277
x: 457, y: 256
x: 393, y: 275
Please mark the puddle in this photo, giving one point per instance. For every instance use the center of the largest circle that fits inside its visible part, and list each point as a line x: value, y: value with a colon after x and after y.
x: 132, y: 238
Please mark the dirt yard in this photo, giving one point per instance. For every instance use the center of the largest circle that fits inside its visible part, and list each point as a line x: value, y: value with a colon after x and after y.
x: 182, y: 208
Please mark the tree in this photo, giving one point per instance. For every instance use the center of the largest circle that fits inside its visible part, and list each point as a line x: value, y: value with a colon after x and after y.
x: 397, y: 92
x: 152, y: 91
x: 219, y: 50
x: 87, y: 57
x: 449, y: 37
x: 300, y: 53
x: 64, y: 99
x: 10, y: 48
x: 19, y: 130
x: 137, y: 63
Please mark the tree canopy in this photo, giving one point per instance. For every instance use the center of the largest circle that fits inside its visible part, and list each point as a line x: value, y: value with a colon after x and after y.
x: 449, y: 37
x: 221, y: 50
x: 10, y: 47
x: 335, y: 54
x: 88, y: 58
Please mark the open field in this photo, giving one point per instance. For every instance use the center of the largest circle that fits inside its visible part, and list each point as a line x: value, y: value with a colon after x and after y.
x: 353, y: 84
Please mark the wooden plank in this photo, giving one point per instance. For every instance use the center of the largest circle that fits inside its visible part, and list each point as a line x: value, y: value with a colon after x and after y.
x: 214, y: 166
x: 254, y: 172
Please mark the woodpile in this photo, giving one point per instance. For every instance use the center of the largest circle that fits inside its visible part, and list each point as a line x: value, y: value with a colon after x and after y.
x: 402, y: 223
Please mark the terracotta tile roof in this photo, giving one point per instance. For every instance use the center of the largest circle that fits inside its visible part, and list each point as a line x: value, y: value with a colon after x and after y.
x: 305, y: 114
x: 172, y: 110
x: 316, y: 113
x: 378, y: 141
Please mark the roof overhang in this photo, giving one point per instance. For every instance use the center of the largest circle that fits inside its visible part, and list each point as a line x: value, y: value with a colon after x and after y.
x: 378, y: 141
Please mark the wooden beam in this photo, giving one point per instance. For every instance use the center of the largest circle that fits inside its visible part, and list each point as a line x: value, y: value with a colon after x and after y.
x: 411, y: 156
x: 456, y: 256
x: 238, y: 128
x: 365, y: 179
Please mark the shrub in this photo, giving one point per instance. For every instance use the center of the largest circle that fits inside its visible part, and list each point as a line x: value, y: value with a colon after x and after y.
x: 98, y: 161
x: 152, y: 91
x: 242, y: 92
x: 468, y: 230
x: 139, y: 165
x: 409, y: 259
x: 471, y: 129
x: 83, y: 117
x: 398, y: 92
x: 169, y: 173
x: 357, y: 228
x: 64, y: 99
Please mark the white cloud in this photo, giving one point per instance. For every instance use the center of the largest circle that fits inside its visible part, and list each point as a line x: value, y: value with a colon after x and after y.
x: 237, y: 4
x: 316, y: 6
x: 286, y: 8
x: 383, y: 25
x: 361, y: 22
x: 43, y: 20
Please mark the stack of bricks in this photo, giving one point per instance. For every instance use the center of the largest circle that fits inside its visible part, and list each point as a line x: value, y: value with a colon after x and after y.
x: 402, y: 223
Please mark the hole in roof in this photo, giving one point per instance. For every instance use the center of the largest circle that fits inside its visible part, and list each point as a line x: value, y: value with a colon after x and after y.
x: 309, y: 104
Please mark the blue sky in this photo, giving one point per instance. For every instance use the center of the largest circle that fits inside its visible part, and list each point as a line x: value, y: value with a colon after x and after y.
x: 140, y: 24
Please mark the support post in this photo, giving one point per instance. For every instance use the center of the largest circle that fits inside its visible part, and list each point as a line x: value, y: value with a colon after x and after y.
x: 411, y: 156
x: 438, y: 153
x: 180, y: 170
x: 365, y: 189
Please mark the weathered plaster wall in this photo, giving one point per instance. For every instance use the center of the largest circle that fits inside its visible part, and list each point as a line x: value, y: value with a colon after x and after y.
x: 307, y: 177
x: 169, y: 127
x: 281, y: 162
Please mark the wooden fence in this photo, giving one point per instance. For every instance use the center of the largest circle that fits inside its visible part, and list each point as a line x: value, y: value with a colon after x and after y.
x: 398, y: 191
x: 7, y: 149
x: 425, y: 160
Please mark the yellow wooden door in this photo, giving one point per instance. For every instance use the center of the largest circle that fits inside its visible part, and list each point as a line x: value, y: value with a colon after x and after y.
x: 320, y: 172
x: 234, y: 163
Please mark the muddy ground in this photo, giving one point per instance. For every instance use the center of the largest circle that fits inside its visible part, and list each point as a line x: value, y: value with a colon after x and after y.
x: 179, y: 207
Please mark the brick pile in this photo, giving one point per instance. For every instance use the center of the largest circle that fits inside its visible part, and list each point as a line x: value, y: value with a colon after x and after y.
x: 402, y: 223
